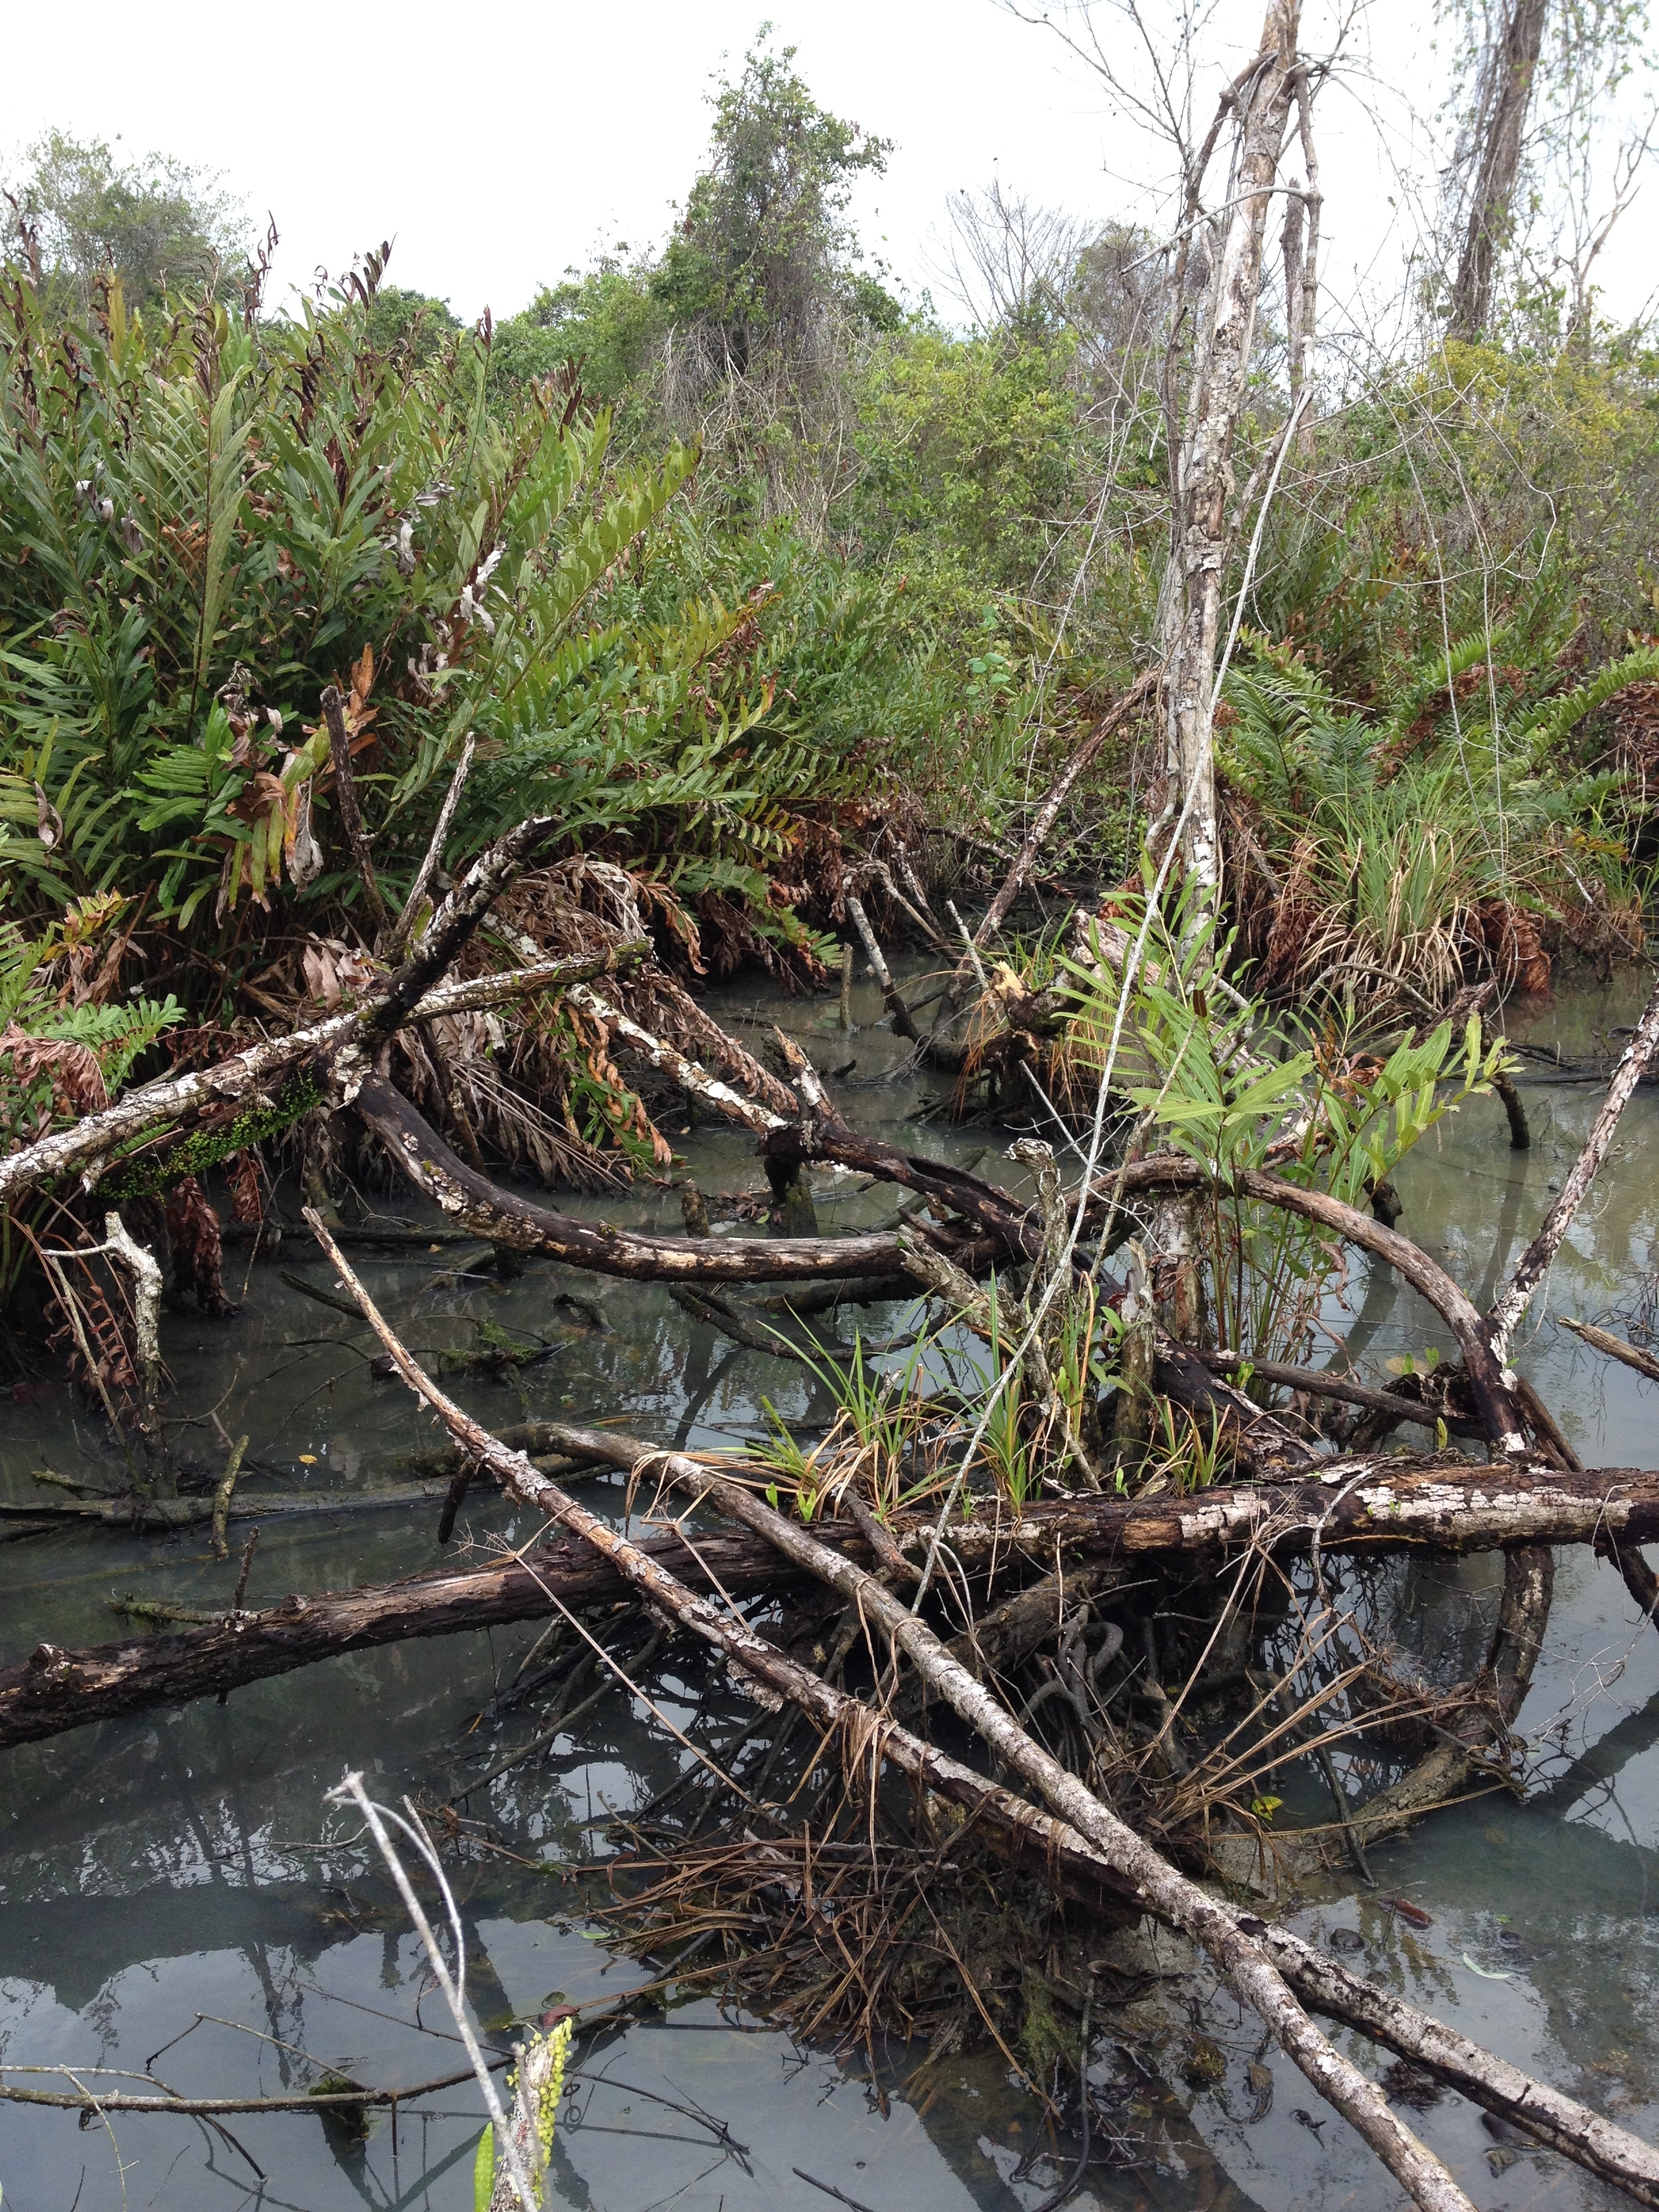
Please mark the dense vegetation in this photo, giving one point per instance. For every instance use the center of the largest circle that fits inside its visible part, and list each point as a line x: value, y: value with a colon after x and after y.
x: 711, y: 610
x: 741, y: 569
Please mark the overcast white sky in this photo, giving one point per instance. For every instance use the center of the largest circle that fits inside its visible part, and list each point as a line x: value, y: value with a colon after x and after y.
x: 498, y: 144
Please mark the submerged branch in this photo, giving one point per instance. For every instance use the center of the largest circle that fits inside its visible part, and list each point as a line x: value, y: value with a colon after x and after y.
x: 1235, y: 1951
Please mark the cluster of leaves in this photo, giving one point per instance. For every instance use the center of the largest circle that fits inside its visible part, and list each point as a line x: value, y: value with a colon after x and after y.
x: 206, y: 518
x: 1236, y: 1088
x: 1418, y: 824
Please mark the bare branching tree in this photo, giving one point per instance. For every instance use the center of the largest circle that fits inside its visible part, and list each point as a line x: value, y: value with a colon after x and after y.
x: 1007, y: 259
x: 1208, y: 348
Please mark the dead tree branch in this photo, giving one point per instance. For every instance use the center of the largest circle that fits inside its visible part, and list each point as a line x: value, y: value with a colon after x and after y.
x: 1392, y: 1507
x: 505, y: 1217
x: 1533, y: 1264
x: 91, y: 1143
x: 1133, y: 702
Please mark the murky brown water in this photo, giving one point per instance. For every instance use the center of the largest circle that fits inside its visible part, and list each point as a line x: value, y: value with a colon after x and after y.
x: 186, y: 1863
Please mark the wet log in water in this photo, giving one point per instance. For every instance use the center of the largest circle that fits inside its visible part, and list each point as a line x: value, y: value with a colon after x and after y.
x: 506, y: 1217
x: 54, y: 1689
x: 1376, y: 1507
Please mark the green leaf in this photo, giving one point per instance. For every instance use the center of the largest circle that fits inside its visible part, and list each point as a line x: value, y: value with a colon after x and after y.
x: 484, y: 2170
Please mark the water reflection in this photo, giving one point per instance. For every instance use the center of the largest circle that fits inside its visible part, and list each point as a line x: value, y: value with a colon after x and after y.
x: 178, y: 1864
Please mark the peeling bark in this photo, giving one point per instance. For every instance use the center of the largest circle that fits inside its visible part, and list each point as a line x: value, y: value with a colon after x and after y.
x: 197, y: 1098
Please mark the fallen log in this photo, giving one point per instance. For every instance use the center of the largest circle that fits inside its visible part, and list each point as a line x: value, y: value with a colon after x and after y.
x: 822, y: 1134
x: 72, y: 1688
x: 1439, y: 1509
x: 1232, y: 1947
x: 1259, y: 1438
x: 131, y: 1512
x: 1613, y: 1347
x: 505, y: 1217
x: 688, y: 1074
x: 1321, y: 1382
x: 54, y: 1690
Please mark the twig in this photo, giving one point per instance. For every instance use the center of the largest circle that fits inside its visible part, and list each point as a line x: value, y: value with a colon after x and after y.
x: 1133, y: 700
x: 828, y: 2189
x: 434, y: 852
x: 119, y: 2100
x: 351, y: 1791
x: 1615, y: 1348
x: 247, y: 1569
x: 223, y: 1495
x: 345, y: 790
x: 903, y: 1021
x: 1053, y: 2202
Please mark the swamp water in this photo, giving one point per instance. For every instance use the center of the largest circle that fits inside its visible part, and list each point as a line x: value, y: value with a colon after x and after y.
x: 178, y: 1864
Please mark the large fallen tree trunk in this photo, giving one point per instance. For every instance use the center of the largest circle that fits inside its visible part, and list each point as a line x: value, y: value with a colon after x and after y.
x: 1389, y: 1509
x: 54, y: 1690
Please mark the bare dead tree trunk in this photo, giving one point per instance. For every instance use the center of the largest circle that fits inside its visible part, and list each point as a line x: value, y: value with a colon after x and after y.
x: 1203, y: 526
x: 1302, y: 283
x: 1507, y: 73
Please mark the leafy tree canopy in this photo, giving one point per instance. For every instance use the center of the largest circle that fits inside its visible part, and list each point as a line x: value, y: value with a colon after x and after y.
x: 764, y: 242
x: 159, y: 222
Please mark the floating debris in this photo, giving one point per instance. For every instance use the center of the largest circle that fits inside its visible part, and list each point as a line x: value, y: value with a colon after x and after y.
x: 1261, y: 2079
x: 1484, y: 1973
x: 1406, y: 2084
x: 1403, y: 1909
